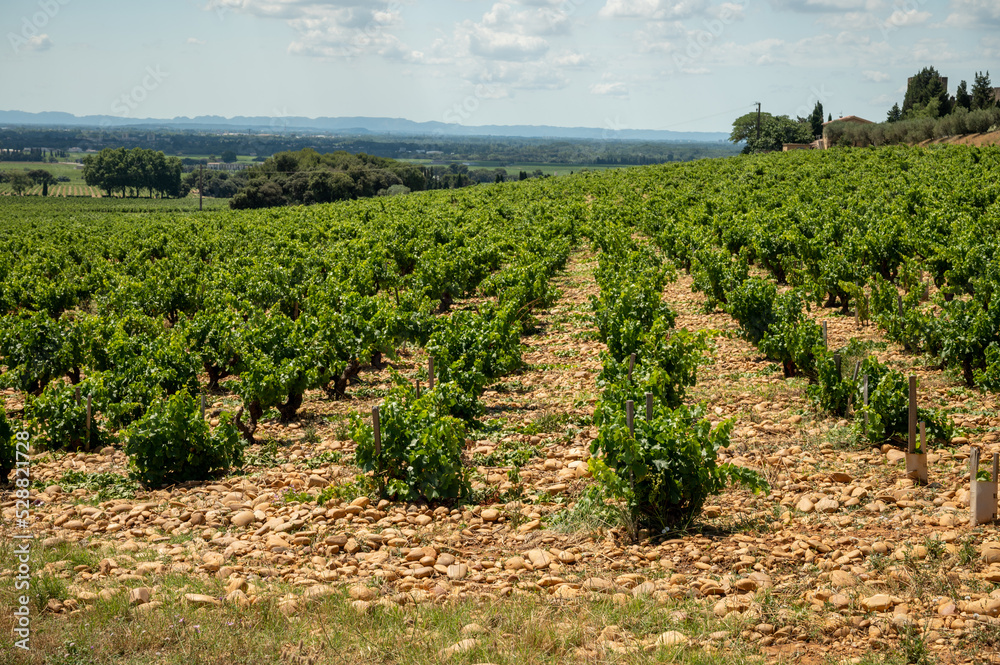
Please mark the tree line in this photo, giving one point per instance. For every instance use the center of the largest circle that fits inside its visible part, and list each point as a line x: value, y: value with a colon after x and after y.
x: 130, y: 171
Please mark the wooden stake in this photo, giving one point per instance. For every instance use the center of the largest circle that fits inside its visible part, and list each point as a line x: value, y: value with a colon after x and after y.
x: 857, y: 369
x: 77, y: 395
x: 899, y: 304
x: 826, y: 343
x: 418, y: 388
x: 630, y: 416
x: 911, y: 441
x: 864, y: 394
x: 916, y: 461
x: 430, y: 373
x: 86, y: 444
x: 377, y: 430
x: 649, y: 406
x: 203, y: 407
x: 836, y: 362
x: 983, y: 494
x: 631, y: 365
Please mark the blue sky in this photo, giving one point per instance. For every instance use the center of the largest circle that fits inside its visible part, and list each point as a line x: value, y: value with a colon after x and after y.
x: 687, y: 65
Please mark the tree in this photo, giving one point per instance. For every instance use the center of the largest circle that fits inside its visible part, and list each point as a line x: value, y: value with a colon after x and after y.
x: 926, y: 91
x: 816, y: 119
x: 121, y: 170
x: 895, y: 114
x: 229, y: 156
x: 982, y: 92
x: 19, y: 181
x: 962, y: 97
x: 43, y: 178
x: 774, y: 131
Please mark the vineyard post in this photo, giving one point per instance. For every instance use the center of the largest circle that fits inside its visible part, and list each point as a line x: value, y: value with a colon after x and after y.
x: 77, y: 392
x: 899, y: 304
x: 649, y: 406
x: 826, y: 342
x: 430, y: 373
x: 837, y: 363
x: 376, y: 431
x: 418, y: 388
x: 982, y: 493
x: 857, y: 369
x: 916, y: 460
x: 865, y: 397
x: 911, y: 439
x: 630, y: 416
x: 86, y: 445
x: 631, y: 365
x: 203, y: 406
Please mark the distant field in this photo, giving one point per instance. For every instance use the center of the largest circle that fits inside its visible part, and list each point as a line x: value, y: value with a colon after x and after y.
x: 514, y: 169
x: 75, y: 187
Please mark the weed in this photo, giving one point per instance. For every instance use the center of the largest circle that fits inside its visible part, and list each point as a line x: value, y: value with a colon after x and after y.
x: 342, y: 431
x: 914, y: 647
x: 968, y: 554
x: 291, y: 496
x: 49, y: 587
x: 310, y: 435
x: 266, y: 455
x: 591, y: 513
x: 508, y: 453
x: 325, y: 458
x: 106, y: 484
x: 71, y: 654
x: 935, y: 548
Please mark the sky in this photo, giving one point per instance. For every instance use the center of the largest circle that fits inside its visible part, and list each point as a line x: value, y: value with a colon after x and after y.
x: 684, y: 65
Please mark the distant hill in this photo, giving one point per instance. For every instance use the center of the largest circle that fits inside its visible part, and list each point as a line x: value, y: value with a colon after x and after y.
x: 354, y: 126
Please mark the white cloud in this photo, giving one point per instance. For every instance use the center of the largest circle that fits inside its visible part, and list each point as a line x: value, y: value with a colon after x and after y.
x: 826, y: 5
x: 38, y: 43
x: 195, y: 41
x: 973, y: 13
x: 616, y: 89
x: 656, y: 10
x: 329, y: 28
x: 990, y: 47
x: 873, y: 75
x: 902, y: 19
x: 542, y: 21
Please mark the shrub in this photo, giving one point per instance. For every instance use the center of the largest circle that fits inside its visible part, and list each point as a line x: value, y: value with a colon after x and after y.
x: 752, y: 305
x: 421, y: 445
x: 792, y: 338
x: 667, y: 470
x: 888, y: 411
x: 625, y: 311
x: 61, y: 422
x: 665, y: 367
x: 172, y: 443
x: 717, y: 273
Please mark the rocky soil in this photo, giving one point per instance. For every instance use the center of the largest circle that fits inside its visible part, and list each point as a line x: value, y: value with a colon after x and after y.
x: 844, y: 557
